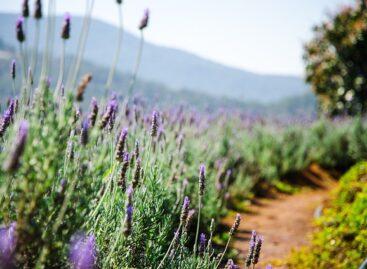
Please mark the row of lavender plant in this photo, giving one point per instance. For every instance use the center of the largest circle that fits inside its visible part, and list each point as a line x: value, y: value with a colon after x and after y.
x: 114, y: 187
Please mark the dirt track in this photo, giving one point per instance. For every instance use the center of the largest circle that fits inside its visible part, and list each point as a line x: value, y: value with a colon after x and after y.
x: 285, y: 221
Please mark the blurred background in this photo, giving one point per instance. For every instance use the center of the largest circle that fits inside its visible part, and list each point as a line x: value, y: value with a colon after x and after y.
x: 236, y: 54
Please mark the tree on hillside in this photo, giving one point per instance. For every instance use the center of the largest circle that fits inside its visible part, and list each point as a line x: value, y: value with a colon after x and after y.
x: 336, y: 62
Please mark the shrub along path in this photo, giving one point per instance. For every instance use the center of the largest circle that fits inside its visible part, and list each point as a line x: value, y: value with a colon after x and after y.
x: 285, y: 221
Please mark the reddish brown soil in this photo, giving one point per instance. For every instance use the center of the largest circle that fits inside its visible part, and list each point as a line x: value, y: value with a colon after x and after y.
x: 285, y: 221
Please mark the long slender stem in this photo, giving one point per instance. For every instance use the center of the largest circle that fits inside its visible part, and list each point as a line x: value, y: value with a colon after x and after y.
x: 52, y: 35
x: 46, y: 54
x: 24, y: 69
x: 26, y: 42
x: 13, y: 86
x: 117, y: 53
x: 35, y: 48
x: 169, y: 249
x: 137, y: 64
x: 81, y: 37
x: 61, y: 69
x: 224, y: 252
x: 197, y: 226
x: 81, y: 45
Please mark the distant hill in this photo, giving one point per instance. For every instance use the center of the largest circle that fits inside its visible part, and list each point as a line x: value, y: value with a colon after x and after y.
x: 174, y: 68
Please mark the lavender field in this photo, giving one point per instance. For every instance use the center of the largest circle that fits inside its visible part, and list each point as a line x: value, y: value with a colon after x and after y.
x: 106, y: 177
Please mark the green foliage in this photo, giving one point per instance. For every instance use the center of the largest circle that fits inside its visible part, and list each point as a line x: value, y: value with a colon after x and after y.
x: 335, y: 62
x: 341, y: 239
x: 271, y: 153
x: 48, y: 214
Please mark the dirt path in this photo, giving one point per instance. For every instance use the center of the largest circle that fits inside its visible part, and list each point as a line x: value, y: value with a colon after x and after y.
x: 285, y: 221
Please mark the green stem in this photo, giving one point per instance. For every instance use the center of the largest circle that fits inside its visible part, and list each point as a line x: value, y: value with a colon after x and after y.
x: 197, y: 226
x: 137, y: 64
x: 35, y: 48
x: 117, y: 53
x: 13, y: 86
x: 46, y: 52
x: 169, y: 249
x: 61, y: 70
x: 24, y: 70
x: 224, y: 252
x: 74, y: 72
x: 26, y: 42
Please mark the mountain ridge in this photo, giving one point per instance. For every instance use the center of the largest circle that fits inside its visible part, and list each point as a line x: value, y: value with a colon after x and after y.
x: 171, y: 66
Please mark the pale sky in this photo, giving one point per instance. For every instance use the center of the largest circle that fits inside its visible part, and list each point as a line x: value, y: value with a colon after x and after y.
x: 260, y: 36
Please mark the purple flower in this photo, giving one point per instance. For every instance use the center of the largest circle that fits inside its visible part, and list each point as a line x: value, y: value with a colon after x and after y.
x: 129, y: 212
x: 94, y: 112
x: 185, y: 210
x: 83, y: 252
x: 7, y: 118
x: 38, y: 10
x: 190, y: 217
x: 25, y: 9
x: 65, y: 32
x: 269, y: 266
x: 13, y: 69
x: 8, y: 241
x: 258, y: 244
x: 122, y: 176
x: 251, y: 249
x: 144, y: 21
x: 202, y: 180
x: 231, y: 265
x: 236, y: 224
x: 84, y: 133
x: 12, y: 163
x: 154, y: 125
x: 19, y: 30
x: 202, y: 243
x: 110, y: 114
x: 121, y: 143
x: 137, y: 173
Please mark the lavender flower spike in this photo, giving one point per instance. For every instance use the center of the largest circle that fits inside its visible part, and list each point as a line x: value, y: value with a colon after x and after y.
x: 154, y: 125
x: 269, y: 266
x: 185, y: 210
x: 257, y: 251
x: 65, y: 32
x: 25, y: 9
x: 38, y: 10
x: 94, y: 112
x: 202, y: 180
x: 12, y: 163
x: 19, y: 30
x: 122, y: 177
x: 8, y: 242
x: 121, y: 143
x: 83, y: 252
x: 7, y: 118
x: 251, y: 249
x: 145, y: 20
x: 84, y: 133
x: 231, y: 265
x: 202, y: 244
x: 108, y: 116
x: 189, y: 219
x: 129, y: 212
x: 235, y: 225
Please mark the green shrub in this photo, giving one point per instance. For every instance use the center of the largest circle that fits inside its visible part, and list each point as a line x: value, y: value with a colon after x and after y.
x: 340, y: 241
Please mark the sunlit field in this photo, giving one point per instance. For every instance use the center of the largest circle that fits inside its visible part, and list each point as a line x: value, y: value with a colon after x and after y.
x: 109, y: 176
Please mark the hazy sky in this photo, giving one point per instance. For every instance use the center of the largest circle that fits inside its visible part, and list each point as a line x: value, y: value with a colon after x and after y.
x: 261, y: 36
